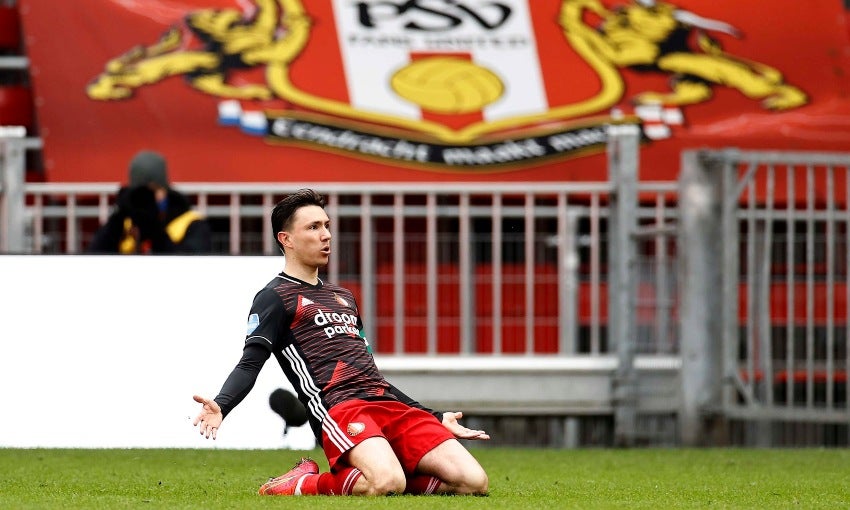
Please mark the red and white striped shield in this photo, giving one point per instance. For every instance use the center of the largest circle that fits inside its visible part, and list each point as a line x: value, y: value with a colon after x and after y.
x: 453, y: 69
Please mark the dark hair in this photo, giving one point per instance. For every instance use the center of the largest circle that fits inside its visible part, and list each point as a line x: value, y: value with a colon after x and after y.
x: 284, y: 211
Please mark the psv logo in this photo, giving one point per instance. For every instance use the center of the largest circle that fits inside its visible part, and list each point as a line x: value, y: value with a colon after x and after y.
x: 432, y: 16
x: 448, y: 83
x: 452, y: 70
x: 448, y: 69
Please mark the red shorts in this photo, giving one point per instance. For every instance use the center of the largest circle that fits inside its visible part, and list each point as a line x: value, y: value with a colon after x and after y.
x: 411, y: 432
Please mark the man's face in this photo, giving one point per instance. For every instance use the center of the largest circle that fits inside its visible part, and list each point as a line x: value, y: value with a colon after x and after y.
x: 308, y: 241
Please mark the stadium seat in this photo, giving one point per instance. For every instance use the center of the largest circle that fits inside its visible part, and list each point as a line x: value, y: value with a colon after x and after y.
x: 10, y: 28
x: 16, y: 106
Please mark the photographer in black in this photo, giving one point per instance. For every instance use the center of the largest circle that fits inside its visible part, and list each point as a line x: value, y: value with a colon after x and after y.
x: 150, y: 216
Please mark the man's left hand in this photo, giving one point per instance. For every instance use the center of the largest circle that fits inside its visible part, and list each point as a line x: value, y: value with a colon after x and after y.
x: 450, y: 421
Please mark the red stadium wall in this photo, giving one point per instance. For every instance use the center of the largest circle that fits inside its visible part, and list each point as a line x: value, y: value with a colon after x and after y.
x: 545, y: 309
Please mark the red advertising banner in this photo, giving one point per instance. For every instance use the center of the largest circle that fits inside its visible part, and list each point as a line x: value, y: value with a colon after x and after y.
x: 419, y: 90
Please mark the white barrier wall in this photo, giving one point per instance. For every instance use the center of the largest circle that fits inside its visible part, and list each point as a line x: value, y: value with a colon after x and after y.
x: 107, y: 351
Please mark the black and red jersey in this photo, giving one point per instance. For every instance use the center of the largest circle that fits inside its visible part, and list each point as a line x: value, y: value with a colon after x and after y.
x: 315, y: 333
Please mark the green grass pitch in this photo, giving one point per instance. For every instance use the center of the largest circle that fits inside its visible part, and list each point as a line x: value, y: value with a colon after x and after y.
x: 519, y: 478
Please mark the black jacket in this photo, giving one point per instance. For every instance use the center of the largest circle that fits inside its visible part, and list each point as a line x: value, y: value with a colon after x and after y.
x: 138, y: 226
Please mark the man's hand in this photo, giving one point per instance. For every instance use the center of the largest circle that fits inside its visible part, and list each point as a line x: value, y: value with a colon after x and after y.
x: 450, y: 421
x: 209, y: 418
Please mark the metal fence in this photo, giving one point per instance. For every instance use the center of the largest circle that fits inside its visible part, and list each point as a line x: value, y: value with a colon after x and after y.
x: 779, y: 241
x: 504, y: 270
x: 791, y: 338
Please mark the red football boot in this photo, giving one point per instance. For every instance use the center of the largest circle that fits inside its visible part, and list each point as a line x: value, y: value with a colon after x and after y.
x: 289, y: 483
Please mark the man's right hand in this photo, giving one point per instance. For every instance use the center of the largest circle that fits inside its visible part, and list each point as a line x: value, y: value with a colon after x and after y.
x: 210, y: 417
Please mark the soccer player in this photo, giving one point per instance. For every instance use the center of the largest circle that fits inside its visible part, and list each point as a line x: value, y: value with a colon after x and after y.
x: 377, y: 440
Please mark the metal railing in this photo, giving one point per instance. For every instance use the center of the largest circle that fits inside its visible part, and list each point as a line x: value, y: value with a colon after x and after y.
x: 791, y: 340
x: 504, y: 270
x: 778, y: 237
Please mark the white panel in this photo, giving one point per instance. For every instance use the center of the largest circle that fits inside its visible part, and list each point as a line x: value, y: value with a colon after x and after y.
x: 107, y: 351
